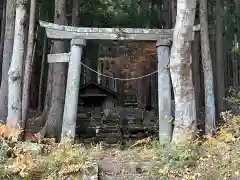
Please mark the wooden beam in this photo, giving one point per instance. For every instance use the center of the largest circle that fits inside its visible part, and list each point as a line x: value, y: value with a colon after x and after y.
x: 56, y: 31
x: 56, y: 58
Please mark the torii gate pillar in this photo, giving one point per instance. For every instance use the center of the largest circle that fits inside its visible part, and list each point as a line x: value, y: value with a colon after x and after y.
x: 164, y: 91
x: 72, y: 89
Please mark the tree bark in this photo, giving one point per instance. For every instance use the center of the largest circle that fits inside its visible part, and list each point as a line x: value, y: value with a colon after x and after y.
x: 48, y: 90
x: 76, y: 13
x: 48, y: 96
x: 44, y: 56
x: 53, y: 125
x: 181, y: 72
x: 28, y: 63
x: 237, y: 2
x: 26, y: 34
x: 207, y: 68
x: 15, y: 71
x: 219, y: 56
x: 7, y: 55
x: 173, y: 11
x: 47, y: 101
x: 196, y: 69
x: 2, y: 30
x: 34, y: 80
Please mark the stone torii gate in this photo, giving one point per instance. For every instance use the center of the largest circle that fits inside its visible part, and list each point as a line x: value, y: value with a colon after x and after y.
x: 79, y: 36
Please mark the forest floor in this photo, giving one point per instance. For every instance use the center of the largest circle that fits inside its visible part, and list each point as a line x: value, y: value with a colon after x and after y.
x: 208, y: 158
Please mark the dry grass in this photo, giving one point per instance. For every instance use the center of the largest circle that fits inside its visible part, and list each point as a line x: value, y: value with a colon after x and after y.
x: 210, y: 158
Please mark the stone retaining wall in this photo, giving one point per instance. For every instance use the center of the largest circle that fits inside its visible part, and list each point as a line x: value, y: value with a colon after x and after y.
x: 119, y: 124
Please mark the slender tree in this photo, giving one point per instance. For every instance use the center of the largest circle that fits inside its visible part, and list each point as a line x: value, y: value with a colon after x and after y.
x: 15, y: 71
x: 2, y: 29
x: 53, y: 125
x: 28, y: 62
x: 181, y: 72
x: 76, y: 13
x: 48, y: 93
x: 196, y: 68
x: 237, y: 2
x: 219, y: 56
x: 40, y: 90
x: 207, y: 68
x: 173, y: 11
x: 7, y: 55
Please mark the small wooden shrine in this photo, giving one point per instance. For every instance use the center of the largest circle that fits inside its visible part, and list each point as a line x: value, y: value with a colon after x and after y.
x: 94, y: 102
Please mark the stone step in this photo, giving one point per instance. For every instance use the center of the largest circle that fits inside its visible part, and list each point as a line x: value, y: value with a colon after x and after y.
x: 108, y: 169
x: 108, y: 131
x: 109, y: 134
x: 110, y: 140
x: 128, y: 167
x: 91, y: 173
x: 132, y: 177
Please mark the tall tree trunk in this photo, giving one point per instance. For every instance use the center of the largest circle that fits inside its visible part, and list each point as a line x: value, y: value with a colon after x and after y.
x: 196, y: 69
x: 44, y: 56
x: 47, y: 101
x: 28, y: 63
x: 15, y: 70
x: 48, y: 96
x: 44, y: 101
x: 76, y: 13
x: 173, y: 11
x: 26, y: 34
x: 53, y: 125
x: 2, y: 30
x: 219, y: 56
x: 212, y: 38
x: 181, y: 72
x: 33, y: 94
x: 207, y: 68
x: 7, y: 55
x: 237, y: 2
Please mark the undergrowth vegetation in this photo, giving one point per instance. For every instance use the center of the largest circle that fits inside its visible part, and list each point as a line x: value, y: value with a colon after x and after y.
x: 208, y: 158
x: 233, y: 96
